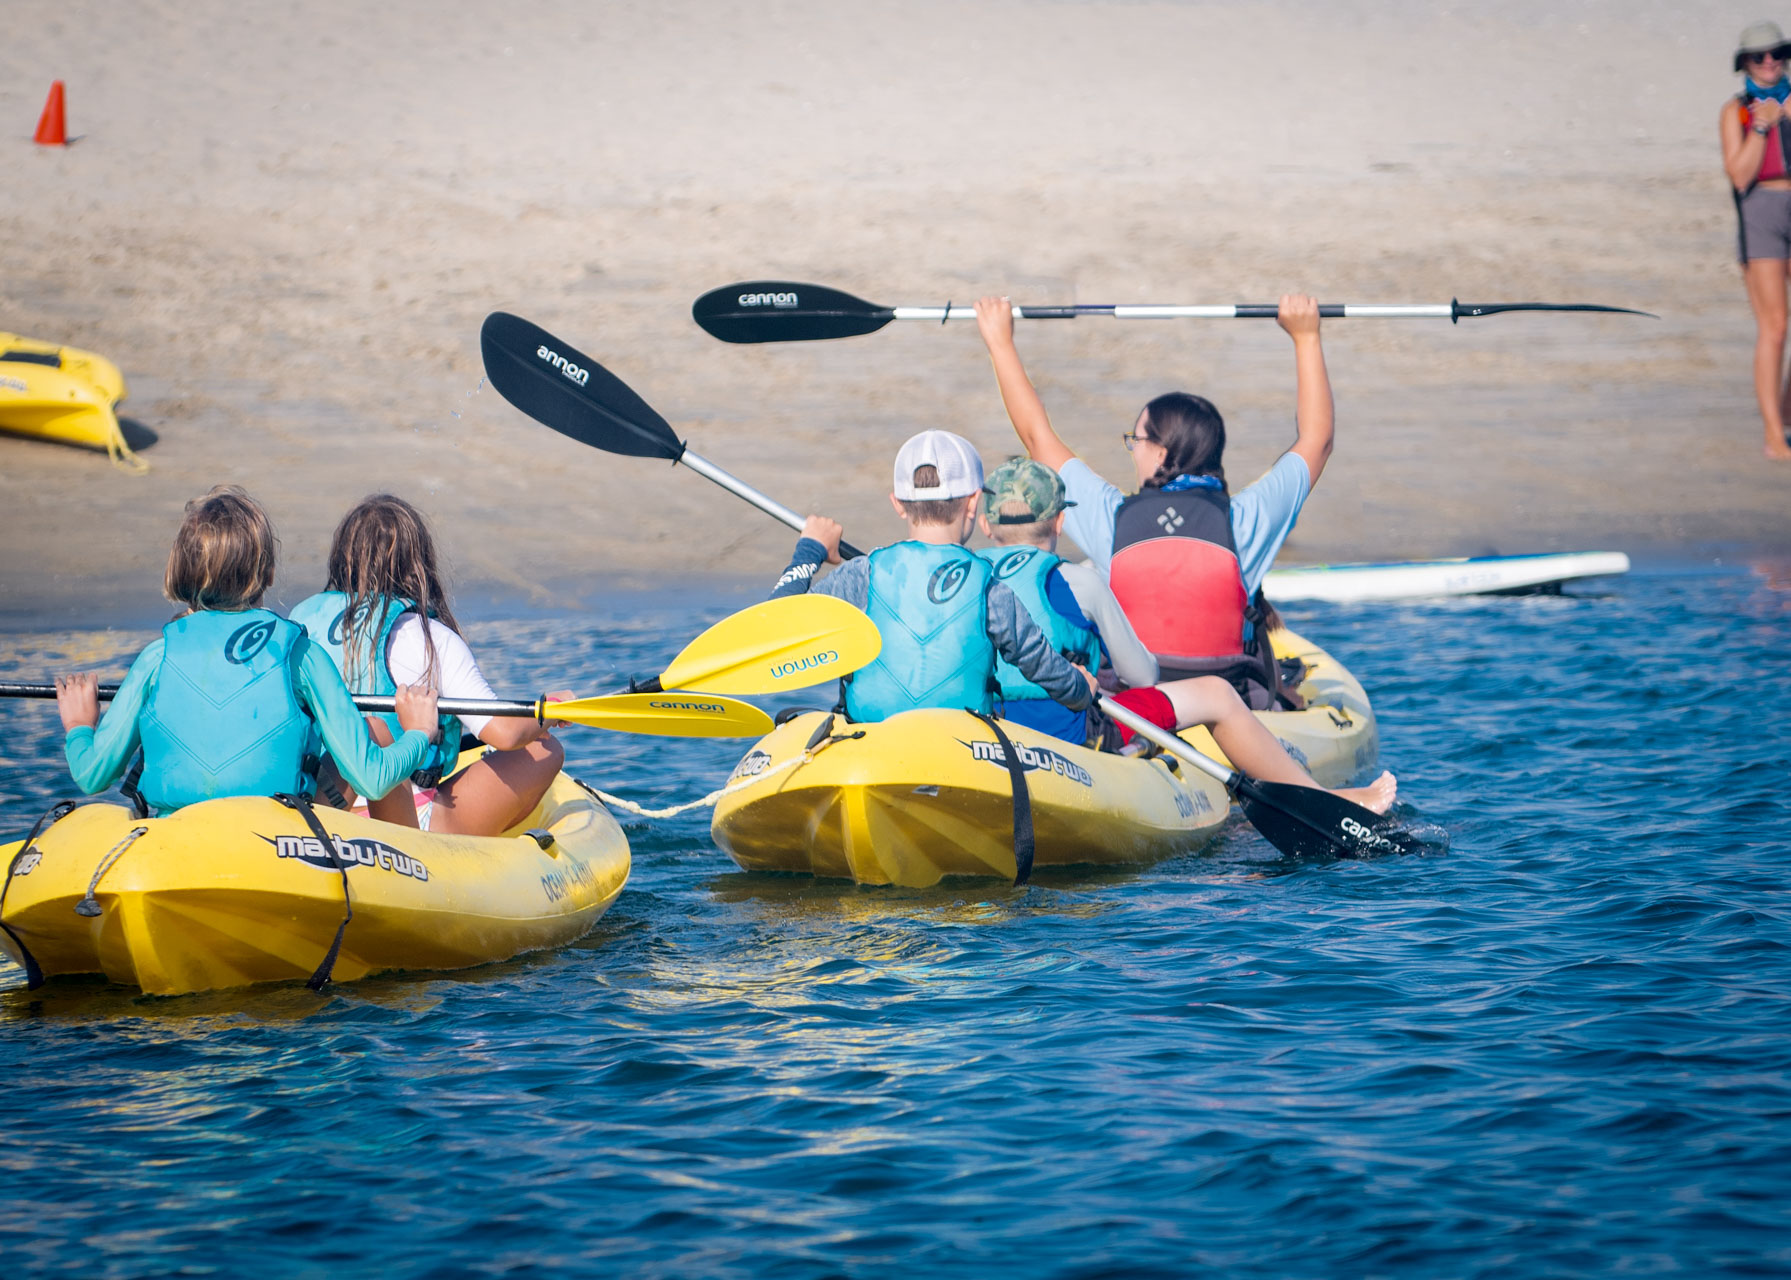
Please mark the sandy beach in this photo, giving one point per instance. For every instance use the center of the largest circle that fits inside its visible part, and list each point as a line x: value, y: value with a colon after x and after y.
x: 286, y: 223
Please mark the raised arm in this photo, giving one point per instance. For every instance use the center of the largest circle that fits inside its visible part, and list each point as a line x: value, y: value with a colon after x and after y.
x: 1314, y: 413
x: 995, y: 319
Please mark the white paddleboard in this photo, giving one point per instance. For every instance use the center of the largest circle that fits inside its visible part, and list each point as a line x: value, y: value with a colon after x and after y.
x: 1475, y: 575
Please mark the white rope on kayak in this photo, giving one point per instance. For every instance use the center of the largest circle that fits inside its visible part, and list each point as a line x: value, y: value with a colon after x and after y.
x: 89, y: 905
x: 714, y: 797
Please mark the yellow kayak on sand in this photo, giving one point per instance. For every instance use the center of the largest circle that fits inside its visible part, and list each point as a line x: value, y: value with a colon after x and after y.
x: 232, y: 892
x: 926, y: 794
x: 60, y: 393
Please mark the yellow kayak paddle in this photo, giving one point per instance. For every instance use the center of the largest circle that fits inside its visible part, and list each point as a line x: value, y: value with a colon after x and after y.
x: 790, y: 643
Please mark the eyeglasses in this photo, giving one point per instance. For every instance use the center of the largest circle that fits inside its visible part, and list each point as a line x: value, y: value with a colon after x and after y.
x: 1132, y: 438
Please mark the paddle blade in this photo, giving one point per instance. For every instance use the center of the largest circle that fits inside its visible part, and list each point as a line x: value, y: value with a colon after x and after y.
x: 785, y: 311
x: 1499, y: 308
x: 565, y: 389
x: 668, y: 715
x: 788, y: 643
x: 1307, y: 822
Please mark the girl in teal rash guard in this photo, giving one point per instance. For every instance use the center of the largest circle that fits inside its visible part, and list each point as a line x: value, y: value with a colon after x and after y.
x: 225, y: 702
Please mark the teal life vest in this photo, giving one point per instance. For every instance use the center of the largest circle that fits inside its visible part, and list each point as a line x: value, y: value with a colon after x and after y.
x: 325, y: 617
x: 931, y: 604
x: 1023, y: 571
x: 224, y: 717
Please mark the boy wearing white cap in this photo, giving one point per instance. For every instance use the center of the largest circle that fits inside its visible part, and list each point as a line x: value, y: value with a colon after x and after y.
x: 943, y: 616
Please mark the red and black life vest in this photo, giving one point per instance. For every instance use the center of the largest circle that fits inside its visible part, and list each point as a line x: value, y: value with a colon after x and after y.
x: 1175, y: 573
x: 1773, y: 163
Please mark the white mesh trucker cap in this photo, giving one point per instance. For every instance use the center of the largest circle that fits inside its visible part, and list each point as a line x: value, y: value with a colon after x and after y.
x: 955, y: 458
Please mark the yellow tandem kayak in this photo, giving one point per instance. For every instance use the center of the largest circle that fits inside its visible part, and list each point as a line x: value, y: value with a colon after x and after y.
x: 232, y: 892
x: 925, y: 794
x: 61, y: 393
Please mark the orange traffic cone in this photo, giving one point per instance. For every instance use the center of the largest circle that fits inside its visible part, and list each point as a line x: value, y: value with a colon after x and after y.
x: 52, y: 126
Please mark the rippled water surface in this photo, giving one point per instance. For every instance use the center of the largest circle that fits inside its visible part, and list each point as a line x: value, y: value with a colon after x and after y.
x: 1562, y: 1047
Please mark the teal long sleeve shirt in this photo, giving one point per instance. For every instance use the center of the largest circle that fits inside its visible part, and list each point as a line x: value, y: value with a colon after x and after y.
x: 97, y: 757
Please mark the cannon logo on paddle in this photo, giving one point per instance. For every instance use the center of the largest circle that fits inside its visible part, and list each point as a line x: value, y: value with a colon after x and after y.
x: 1368, y: 836
x: 565, y: 366
x: 1032, y: 759
x: 825, y: 658
x: 245, y: 642
x: 768, y: 300
x: 363, y: 853
x: 947, y: 581
x: 708, y: 708
x: 751, y: 765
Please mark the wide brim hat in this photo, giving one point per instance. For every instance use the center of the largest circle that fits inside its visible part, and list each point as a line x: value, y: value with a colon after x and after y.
x: 1762, y: 37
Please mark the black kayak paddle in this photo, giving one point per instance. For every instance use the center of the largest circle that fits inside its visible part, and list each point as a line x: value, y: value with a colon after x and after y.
x: 562, y: 388
x: 790, y: 311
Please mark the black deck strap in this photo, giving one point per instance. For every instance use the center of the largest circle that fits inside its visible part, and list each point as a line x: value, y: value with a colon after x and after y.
x: 34, y: 974
x: 820, y: 734
x: 127, y: 787
x: 1016, y: 773
x: 320, y: 978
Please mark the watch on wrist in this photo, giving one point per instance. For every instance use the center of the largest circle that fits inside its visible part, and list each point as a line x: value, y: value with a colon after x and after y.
x: 1762, y: 129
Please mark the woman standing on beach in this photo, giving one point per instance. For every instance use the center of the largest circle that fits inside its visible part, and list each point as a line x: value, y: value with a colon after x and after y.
x: 1757, y: 157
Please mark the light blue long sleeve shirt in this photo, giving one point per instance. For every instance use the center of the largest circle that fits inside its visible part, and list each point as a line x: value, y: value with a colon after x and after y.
x: 98, y: 757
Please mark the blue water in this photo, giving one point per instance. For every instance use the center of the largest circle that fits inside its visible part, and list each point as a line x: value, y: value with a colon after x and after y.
x: 1560, y: 1048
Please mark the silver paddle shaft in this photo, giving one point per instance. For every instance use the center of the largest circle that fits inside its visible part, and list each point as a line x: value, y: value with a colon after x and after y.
x: 1229, y: 778
x: 363, y: 701
x: 740, y: 489
x: 1229, y: 311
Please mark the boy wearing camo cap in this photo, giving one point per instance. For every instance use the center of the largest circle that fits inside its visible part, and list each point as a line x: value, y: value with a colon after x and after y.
x: 1022, y: 513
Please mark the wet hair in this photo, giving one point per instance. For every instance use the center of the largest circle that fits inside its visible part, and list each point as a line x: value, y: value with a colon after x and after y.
x: 1191, y: 432
x: 930, y: 510
x: 383, y: 550
x: 223, y: 555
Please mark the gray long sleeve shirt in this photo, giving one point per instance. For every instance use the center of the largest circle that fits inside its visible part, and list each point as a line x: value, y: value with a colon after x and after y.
x: 1011, y: 629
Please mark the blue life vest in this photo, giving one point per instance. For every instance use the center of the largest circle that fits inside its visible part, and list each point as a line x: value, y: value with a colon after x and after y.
x: 931, y: 604
x: 325, y: 617
x: 224, y: 717
x: 1023, y: 571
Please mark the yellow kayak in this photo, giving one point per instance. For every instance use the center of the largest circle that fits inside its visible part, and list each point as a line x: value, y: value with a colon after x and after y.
x: 925, y: 794
x: 232, y: 892
x: 1335, y: 738
x: 60, y: 393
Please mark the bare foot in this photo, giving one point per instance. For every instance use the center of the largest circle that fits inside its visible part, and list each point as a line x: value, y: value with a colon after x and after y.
x: 1780, y: 454
x: 1377, y: 796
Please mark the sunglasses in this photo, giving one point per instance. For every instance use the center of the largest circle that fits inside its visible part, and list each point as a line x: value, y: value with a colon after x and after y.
x: 1771, y: 55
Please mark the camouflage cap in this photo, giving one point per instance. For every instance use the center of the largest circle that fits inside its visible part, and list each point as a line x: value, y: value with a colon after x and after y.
x: 1021, y: 491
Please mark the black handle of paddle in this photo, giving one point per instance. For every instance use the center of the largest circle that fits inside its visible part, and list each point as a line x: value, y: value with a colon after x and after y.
x: 1270, y: 310
x: 1047, y: 313
x: 8, y: 690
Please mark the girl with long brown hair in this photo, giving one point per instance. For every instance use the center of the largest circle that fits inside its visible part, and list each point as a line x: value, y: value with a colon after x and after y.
x: 385, y: 617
